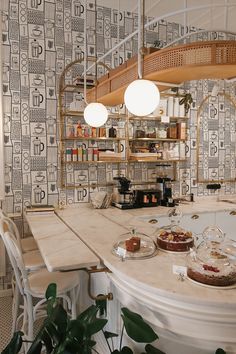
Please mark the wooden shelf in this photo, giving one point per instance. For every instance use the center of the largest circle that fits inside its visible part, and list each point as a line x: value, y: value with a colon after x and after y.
x: 94, y: 162
x: 90, y: 138
x: 156, y: 139
x: 157, y: 118
x: 175, y: 65
x: 157, y: 160
x: 81, y: 113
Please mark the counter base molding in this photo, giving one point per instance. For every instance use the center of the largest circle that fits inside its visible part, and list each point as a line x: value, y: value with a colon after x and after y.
x: 183, y: 327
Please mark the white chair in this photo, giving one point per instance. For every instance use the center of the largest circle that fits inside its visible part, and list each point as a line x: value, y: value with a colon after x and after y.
x: 28, y: 243
x: 32, y: 259
x: 34, y: 285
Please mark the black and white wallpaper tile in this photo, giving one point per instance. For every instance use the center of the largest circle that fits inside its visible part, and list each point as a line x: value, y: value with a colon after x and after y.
x: 40, y: 37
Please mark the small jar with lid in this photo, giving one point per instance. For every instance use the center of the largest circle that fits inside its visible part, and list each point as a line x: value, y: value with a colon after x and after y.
x: 161, y: 132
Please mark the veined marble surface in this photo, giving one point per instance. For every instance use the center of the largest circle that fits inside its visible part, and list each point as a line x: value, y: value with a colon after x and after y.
x: 100, y: 229
x: 60, y: 247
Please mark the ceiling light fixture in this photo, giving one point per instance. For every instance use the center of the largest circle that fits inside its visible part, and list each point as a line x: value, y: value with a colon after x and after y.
x: 141, y: 96
x: 95, y: 114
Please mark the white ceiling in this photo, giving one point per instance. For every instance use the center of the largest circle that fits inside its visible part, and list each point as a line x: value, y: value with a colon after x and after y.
x: 214, y: 18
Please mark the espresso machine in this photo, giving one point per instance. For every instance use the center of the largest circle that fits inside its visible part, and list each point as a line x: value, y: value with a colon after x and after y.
x: 123, y: 197
x: 165, y: 188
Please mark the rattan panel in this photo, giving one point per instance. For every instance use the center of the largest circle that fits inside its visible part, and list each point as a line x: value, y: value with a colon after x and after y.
x: 201, y: 57
x: 124, y: 78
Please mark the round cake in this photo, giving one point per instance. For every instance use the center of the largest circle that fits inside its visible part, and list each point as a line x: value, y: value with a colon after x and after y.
x: 213, y: 274
x: 175, y: 240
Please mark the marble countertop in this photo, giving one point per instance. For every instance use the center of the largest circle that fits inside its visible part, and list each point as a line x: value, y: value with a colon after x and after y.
x: 60, y: 247
x: 100, y: 229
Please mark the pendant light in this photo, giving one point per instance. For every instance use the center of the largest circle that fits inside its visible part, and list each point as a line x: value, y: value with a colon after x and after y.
x: 95, y: 114
x: 141, y: 96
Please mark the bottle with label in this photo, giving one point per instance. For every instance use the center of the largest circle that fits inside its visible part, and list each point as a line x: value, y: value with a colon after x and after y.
x: 79, y: 130
x: 74, y: 154
x: 112, y: 132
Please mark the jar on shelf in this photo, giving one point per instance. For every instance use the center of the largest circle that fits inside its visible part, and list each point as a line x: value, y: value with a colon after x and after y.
x: 161, y: 132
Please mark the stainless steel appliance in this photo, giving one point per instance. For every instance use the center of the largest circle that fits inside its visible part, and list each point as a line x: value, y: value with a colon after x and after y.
x: 165, y: 187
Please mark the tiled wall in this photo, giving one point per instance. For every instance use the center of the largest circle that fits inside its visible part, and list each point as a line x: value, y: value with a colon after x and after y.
x: 39, y: 38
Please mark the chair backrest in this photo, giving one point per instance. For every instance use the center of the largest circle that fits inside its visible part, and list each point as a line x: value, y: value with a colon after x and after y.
x: 7, y: 224
x: 16, y: 259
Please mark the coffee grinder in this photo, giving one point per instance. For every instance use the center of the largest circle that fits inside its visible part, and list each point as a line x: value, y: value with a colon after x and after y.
x: 164, y: 185
x: 123, y: 197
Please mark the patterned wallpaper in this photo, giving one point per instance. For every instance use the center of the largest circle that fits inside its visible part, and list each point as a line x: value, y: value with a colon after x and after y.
x: 39, y: 38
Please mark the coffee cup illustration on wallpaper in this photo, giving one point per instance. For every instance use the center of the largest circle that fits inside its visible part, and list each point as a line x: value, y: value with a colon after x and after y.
x: 38, y: 129
x: 36, y: 31
x: 38, y: 146
x: 39, y: 195
x: 78, y: 8
x: 35, y: 3
x: 39, y: 177
x: 36, y: 49
x: 37, y: 98
x: 81, y: 194
x: 37, y: 80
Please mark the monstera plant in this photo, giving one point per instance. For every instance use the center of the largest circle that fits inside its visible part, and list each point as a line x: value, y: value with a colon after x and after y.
x: 61, y: 335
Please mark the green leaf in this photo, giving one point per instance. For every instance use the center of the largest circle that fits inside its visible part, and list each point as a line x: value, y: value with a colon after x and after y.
x: 126, y: 350
x: 152, y: 350
x: 15, y: 344
x: 75, y: 330
x: 96, y: 326
x: 89, y: 314
x: 102, y: 305
x: 110, y: 334
x: 220, y: 351
x: 35, y: 348
x: 137, y: 328
x: 51, y: 291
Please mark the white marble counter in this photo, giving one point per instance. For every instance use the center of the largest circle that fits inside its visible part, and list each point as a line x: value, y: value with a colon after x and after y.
x: 100, y: 229
x: 60, y: 247
x: 189, y: 318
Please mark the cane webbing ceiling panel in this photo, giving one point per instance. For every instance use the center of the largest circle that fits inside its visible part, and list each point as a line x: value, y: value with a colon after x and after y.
x: 195, y: 61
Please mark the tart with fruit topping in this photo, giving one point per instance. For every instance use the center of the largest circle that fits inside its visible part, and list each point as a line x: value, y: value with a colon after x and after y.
x: 175, y: 240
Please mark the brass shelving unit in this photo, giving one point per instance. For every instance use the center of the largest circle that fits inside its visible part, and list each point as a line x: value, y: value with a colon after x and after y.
x: 76, y: 85
x: 67, y: 86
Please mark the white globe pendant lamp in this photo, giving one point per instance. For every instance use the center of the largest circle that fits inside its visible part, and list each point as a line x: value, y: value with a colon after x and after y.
x: 95, y: 114
x: 141, y: 97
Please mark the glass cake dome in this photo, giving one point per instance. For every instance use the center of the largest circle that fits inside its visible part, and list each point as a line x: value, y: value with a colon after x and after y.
x: 209, y: 264
x: 134, y: 245
x: 174, y: 238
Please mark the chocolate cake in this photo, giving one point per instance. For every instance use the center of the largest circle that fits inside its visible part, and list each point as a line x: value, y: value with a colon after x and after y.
x: 133, y: 244
x: 175, y: 241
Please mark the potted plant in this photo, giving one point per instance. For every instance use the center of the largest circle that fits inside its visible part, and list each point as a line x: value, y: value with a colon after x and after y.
x: 61, y: 335
x: 186, y: 99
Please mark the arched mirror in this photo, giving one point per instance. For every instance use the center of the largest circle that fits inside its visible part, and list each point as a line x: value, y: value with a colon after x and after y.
x: 216, y: 139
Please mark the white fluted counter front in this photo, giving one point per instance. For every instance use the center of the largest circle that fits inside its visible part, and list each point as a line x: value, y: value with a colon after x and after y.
x: 189, y: 318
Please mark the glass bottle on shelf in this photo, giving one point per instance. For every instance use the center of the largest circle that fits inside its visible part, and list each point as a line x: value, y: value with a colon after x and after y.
x: 112, y: 132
